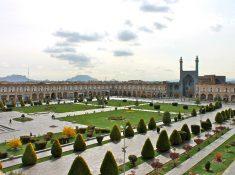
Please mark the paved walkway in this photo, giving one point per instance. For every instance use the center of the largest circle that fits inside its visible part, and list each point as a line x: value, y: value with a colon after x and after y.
x: 230, y: 170
x: 135, y: 145
x: 40, y: 124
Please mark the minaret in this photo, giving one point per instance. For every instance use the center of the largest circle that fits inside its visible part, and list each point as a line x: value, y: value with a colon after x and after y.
x: 196, y: 61
x: 181, y: 74
x: 181, y: 64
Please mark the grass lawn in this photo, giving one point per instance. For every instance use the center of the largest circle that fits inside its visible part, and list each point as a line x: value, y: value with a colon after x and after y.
x: 101, y: 119
x: 22, y: 119
x: 117, y: 103
x: 58, y: 108
x: 228, y: 156
x: 168, y: 107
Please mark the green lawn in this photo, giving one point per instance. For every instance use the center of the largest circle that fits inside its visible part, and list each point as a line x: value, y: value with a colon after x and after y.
x: 58, y: 108
x: 22, y: 119
x: 228, y: 156
x: 101, y: 119
x: 117, y: 103
x: 168, y: 107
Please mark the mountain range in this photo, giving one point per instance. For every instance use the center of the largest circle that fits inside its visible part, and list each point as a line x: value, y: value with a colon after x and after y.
x: 22, y: 78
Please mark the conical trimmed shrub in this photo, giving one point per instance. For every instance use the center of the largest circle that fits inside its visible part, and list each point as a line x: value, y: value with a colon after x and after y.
x: 179, y: 116
x: 185, y: 128
x: 141, y: 128
x: 175, y: 138
x: 29, y: 157
x: 56, y: 150
x: 115, y: 134
x: 79, y: 144
x: 166, y: 119
x: 147, y: 150
x: 209, y: 123
x: 152, y: 124
x: 79, y: 167
x: 163, y: 143
x: 219, y: 118
x: 129, y: 132
x: 109, y: 165
x: 1, y: 167
x: 194, y: 113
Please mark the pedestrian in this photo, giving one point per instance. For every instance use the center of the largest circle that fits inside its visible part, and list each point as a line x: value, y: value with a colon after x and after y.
x: 10, y: 121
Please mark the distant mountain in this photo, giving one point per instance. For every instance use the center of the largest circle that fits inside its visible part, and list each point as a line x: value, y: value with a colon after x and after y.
x: 82, y: 78
x: 15, y: 78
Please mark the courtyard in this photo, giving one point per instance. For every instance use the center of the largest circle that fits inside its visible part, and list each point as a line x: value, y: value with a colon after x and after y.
x: 104, y: 118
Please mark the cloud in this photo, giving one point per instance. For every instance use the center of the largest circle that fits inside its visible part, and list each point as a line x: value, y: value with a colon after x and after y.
x: 160, y: 26
x: 128, y: 23
x: 122, y: 53
x: 75, y: 59
x: 171, y: 1
x: 76, y: 37
x: 146, y: 7
x: 145, y: 29
x: 59, y: 50
x: 216, y: 28
x: 63, y: 44
x: 168, y: 18
x: 126, y: 35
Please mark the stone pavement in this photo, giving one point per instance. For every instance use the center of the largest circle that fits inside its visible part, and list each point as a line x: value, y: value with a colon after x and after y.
x: 94, y: 156
x: 185, y: 166
x: 41, y: 124
x: 230, y: 170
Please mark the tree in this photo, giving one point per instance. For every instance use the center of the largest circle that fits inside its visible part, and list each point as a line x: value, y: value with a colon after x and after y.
x: 69, y: 132
x: 187, y: 148
x: 13, y: 103
x: 147, y: 150
x: 166, y: 119
x: 2, y: 106
x: 29, y: 157
x: 152, y: 124
x: 174, y: 156
x: 129, y: 132
x: 219, y: 118
x: 209, y: 123
x: 14, y: 144
x: 179, y: 116
x: 156, y: 165
x: 194, y: 113
x: 79, y: 167
x: 141, y: 128
x: 115, y: 134
x: 56, y: 150
x: 1, y: 167
x: 79, y: 144
x: 22, y: 102
x: 207, y: 166
x: 133, y: 159
x: 185, y: 128
x: 163, y: 143
x: 109, y: 165
x: 197, y: 101
x: 175, y: 138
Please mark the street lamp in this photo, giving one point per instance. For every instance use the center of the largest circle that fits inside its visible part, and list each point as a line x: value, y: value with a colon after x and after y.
x: 124, y: 149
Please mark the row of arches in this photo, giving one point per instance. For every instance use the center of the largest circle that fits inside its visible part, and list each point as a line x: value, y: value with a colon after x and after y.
x: 211, y: 97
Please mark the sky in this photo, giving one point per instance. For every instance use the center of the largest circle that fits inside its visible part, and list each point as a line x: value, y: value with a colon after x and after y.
x: 118, y: 39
